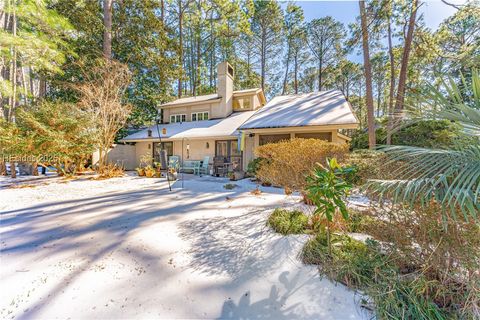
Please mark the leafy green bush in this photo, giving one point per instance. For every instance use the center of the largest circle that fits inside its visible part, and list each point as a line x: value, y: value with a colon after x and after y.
x: 427, y: 133
x: 254, y: 165
x: 327, y: 189
x: 288, y: 222
x: 367, y: 164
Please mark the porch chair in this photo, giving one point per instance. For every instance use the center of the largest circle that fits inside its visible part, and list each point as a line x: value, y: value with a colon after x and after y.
x: 219, y: 166
x: 174, y: 162
x: 204, y: 167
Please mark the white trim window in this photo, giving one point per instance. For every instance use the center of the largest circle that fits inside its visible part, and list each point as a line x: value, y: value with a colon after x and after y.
x: 199, y: 116
x: 178, y: 118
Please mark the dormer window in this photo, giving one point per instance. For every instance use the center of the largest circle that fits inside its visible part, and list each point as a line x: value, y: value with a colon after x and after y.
x: 241, y: 104
x: 178, y: 118
x: 199, y: 116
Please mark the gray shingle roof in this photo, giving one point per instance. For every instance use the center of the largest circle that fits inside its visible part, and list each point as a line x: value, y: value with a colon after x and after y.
x: 311, y: 109
x: 194, y: 129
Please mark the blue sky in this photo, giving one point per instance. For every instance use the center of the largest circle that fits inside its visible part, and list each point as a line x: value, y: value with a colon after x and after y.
x: 433, y: 11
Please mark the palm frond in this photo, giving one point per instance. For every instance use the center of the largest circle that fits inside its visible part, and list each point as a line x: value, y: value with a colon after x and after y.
x: 450, y: 177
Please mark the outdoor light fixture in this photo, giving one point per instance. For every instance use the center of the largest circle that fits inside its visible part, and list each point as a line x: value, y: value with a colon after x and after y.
x: 149, y: 146
x: 188, y: 151
x: 207, y: 145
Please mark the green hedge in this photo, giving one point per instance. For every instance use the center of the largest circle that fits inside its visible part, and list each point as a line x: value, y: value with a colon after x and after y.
x: 427, y: 133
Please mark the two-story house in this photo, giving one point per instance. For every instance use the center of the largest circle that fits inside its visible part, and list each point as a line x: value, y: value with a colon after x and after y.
x: 215, y: 124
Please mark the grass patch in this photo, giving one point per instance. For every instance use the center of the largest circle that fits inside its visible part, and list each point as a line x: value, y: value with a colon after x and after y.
x: 288, y: 221
x: 230, y: 186
x: 358, y: 221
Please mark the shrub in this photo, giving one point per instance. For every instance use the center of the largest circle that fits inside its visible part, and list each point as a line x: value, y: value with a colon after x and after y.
x: 363, y: 266
x: 110, y: 171
x: 149, y: 171
x: 426, y: 133
x: 358, y: 221
x: 254, y: 165
x: 447, y: 251
x: 288, y: 163
x: 427, y: 268
x: 140, y: 171
x: 288, y: 222
x: 368, y: 164
x: 352, y: 262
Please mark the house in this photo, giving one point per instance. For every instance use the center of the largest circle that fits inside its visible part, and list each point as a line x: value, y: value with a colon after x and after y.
x: 215, y: 124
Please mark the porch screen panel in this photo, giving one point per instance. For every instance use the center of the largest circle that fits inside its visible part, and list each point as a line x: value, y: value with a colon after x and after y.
x: 273, y: 138
x: 327, y: 136
x: 234, y: 148
x: 229, y: 150
x: 235, y: 156
x: 222, y: 148
x: 167, y: 146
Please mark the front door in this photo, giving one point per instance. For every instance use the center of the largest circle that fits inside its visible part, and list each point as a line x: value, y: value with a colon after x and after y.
x: 229, y: 150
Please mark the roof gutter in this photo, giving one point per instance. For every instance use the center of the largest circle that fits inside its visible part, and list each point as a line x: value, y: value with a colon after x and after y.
x: 303, y: 127
x: 183, y: 104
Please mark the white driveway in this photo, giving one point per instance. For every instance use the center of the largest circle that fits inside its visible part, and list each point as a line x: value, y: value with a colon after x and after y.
x: 129, y: 248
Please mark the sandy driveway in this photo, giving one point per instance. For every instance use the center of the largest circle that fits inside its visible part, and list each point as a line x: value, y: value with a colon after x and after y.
x: 129, y: 248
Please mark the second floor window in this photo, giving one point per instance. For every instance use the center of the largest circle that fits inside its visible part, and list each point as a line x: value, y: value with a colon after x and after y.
x: 199, y: 116
x: 242, y: 103
x: 178, y: 118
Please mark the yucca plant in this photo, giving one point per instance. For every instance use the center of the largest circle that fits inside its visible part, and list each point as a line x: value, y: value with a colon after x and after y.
x: 451, y: 177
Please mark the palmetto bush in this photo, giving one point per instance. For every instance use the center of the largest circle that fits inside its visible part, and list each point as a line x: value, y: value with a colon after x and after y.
x: 448, y: 176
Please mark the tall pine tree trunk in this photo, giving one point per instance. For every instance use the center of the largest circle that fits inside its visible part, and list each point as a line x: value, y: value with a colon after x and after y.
x: 13, y: 71
x: 162, y: 11
x: 368, y: 77
x: 107, y: 32
x: 263, y: 57
x: 295, y: 81
x: 402, y: 78
x: 180, y: 48
x: 13, y: 172
x: 392, y: 83
x: 320, y: 67
x: 284, y: 89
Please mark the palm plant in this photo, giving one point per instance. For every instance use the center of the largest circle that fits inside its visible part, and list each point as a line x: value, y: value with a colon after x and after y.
x: 451, y: 176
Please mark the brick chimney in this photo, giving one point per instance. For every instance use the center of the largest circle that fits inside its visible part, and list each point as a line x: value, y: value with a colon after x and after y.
x: 225, y: 75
